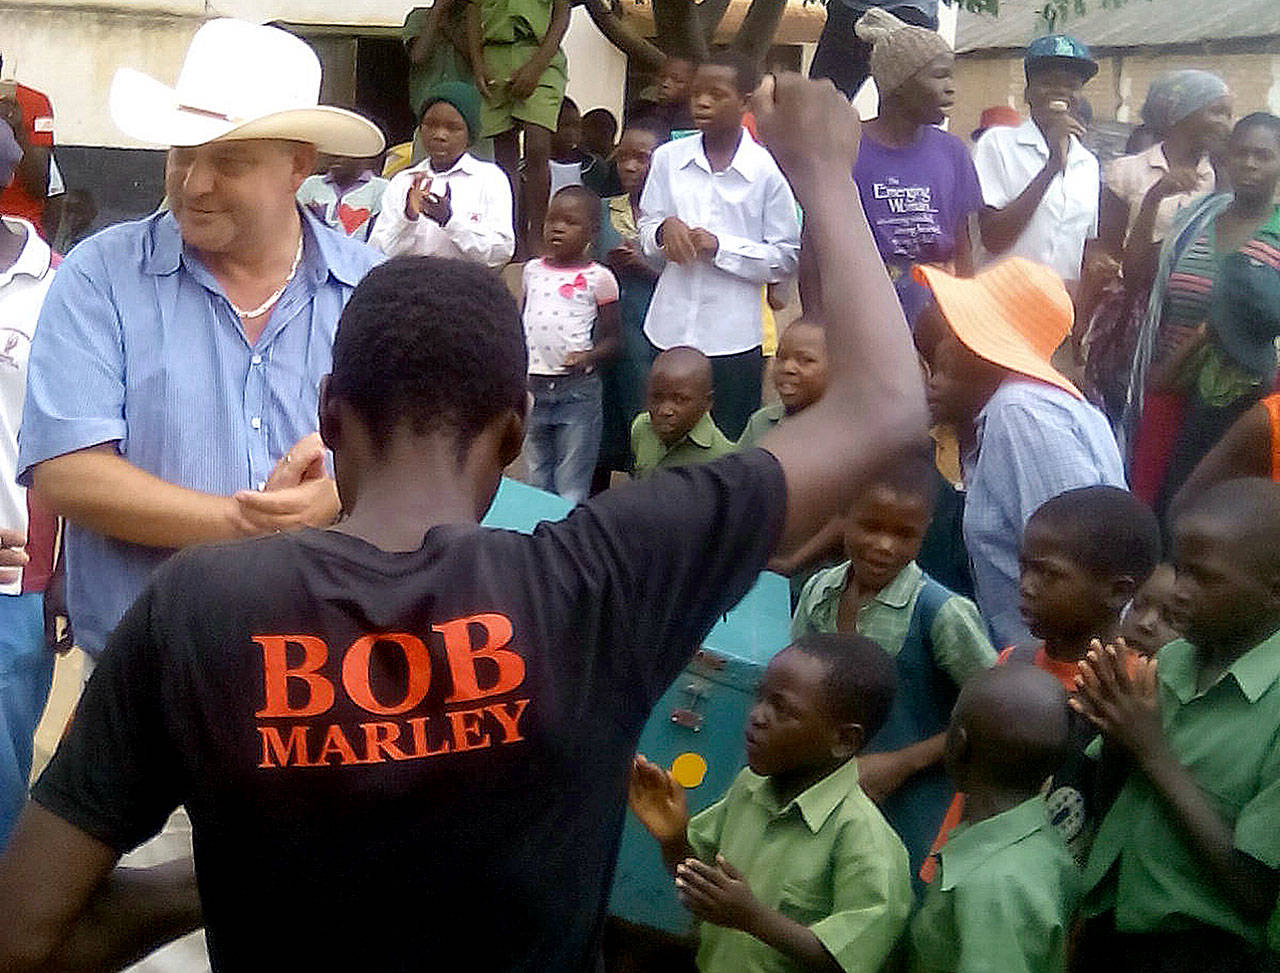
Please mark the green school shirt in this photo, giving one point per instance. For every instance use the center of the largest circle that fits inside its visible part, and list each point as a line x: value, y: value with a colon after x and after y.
x: 959, y: 636
x: 514, y: 21
x: 1002, y: 899
x: 1228, y: 738
x: 760, y: 423
x: 827, y: 859
x: 703, y: 443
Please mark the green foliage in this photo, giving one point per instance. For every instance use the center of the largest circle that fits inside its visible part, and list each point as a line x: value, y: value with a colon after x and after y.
x: 1054, y: 14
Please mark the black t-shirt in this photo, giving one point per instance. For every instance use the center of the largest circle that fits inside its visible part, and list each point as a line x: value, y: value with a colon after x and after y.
x: 406, y: 761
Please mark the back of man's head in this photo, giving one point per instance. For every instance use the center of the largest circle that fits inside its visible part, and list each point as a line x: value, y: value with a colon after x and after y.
x: 430, y: 344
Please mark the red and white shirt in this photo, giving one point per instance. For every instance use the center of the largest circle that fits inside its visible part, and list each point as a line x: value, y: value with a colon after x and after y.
x: 22, y: 290
x: 560, y: 309
x: 37, y: 120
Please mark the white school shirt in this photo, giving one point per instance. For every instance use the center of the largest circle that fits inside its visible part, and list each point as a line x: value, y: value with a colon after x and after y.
x: 22, y: 290
x: 480, y: 229
x: 1007, y: 159
x: 715, y: 305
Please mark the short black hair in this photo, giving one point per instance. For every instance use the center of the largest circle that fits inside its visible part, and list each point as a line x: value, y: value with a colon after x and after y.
x: 1106, y: 530
x: 861, y: 678
x: 1246, y: 512
x: 1258, y: 119
x: 568, y: 107
x: 432, y: 344
x: 589, y: 200
x: 652, y: 124
x: 908, y: 472
x: 746, y: 73
x: 601, y: 116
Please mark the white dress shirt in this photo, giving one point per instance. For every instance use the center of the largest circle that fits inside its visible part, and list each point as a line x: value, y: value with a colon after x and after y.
x: 479, y: 230
x: 1007, y: 159
x: 715, y: 305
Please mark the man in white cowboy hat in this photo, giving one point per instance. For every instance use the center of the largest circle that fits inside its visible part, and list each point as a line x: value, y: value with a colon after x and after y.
x: 173, y: 388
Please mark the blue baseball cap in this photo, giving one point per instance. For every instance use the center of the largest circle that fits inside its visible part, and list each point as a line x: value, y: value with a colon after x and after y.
x: 1060, y: 50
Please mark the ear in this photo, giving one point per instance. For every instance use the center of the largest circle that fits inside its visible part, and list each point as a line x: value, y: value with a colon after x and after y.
x: 512, y: 441
x: 849, y: 740
x: 304, y: 162
x: 956, y: 755
x: 1120, y: 591
x: 330, y: 422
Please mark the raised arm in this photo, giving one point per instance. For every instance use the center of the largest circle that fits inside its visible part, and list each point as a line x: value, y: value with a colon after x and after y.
x: 874, y: 404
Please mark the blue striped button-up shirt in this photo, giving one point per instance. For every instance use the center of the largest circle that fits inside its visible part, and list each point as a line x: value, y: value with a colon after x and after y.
x: 137, y: 344
x: 1034, y: 441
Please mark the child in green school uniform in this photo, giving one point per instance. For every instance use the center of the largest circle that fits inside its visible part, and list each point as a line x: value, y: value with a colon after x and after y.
x: 678, y: 429
x: 794, y: 868
x: 799, y: 376
x: 936, y: 637
x: 1185, y: 868
x: 521, y: 73
x: 1006, y: 886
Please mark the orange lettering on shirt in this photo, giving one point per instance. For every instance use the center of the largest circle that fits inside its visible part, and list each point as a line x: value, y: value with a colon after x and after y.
x: 380, y: 738
x: 355, y: 672
x: 337, y: 744
x: 418, y: 726
x: 464, y: 657
x: 468, y: 730
x: 294, y: 751
x: 510, y: 721
x: 276, y: 674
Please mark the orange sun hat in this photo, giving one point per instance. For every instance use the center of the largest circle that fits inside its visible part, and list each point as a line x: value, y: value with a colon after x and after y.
x: 1014, y: 314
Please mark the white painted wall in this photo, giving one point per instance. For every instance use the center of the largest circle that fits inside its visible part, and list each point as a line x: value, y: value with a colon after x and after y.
x: 70, y: 49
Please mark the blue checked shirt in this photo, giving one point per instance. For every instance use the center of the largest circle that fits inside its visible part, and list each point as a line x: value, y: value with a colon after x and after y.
x: 1034, y: 441
x: 138, y: 345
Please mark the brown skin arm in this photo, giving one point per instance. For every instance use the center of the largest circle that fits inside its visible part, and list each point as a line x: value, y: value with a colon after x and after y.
x: 421, y: 45
x: 1000, y: 228
x: 475, y: 50
x: 964, y: 250
x: 874, y: 403
x: 1127, y: 710
x: 825, y: 543
x: 67, y: 909
x: 1113, y: 218
x: 882, y: 774
x: 719, y: 894
x: 526, y: 79
x: 606, y: 341
x: 1244, y: 451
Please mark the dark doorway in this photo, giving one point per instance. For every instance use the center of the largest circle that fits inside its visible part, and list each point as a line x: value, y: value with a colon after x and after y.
x: 382, y: 86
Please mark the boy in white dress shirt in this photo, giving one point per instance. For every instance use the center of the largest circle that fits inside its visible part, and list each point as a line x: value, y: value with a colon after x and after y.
x: 718, y: 207
x: 451, y: 204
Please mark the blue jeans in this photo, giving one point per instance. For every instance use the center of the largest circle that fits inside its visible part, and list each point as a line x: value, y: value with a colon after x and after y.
x: 26, y: 673
x: 562, y: 438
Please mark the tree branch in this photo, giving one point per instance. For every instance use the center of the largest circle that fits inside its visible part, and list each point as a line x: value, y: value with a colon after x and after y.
x: 621, y: 36
x: 679, y: 28
x: 710, y: 13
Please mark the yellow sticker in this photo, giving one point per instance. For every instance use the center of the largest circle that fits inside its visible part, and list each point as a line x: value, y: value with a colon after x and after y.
x: 688, y: 769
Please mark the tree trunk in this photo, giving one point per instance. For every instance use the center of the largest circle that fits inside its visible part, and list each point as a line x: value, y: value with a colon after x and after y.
x: 680, y: 28
x: 623, y: 37
x: 755, y: 35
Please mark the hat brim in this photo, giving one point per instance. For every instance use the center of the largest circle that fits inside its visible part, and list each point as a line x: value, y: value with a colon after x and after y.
x: 149, y: 111
x: 978, y: 321
x: 1081, y: 66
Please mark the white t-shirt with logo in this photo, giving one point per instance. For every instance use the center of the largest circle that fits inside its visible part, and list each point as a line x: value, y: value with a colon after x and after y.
x: 560, y: 309
x: 22, y: 290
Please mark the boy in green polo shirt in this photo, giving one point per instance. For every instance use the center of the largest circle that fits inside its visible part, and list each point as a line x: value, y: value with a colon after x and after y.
x: 1006, y: 886
x: 794, y: 868
x: 678, y: 429
x: 1185, y: 867
x: 799, y: 376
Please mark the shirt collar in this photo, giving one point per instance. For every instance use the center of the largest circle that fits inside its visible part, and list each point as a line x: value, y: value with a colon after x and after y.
x: 165, y: 254
x: 775, y: 412
x: 1254, y: 672
x: 1157, y: 160
x: 466, y: 163
x: 1028, y: 133
x: 971, y: 845
x: 703, y: 432
x: 34, y: 258
x: 896, y: 594
x: 360, y: 180
x: 744, y: 161
x: 816, y: 803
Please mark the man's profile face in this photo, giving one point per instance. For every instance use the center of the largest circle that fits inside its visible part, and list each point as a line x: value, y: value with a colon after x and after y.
x: 225, y: 194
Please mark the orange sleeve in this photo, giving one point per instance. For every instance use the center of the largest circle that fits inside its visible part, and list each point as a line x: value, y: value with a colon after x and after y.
x: 1272, y: 404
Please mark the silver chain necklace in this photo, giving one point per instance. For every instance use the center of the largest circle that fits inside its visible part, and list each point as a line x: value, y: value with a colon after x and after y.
x: 266, y: 305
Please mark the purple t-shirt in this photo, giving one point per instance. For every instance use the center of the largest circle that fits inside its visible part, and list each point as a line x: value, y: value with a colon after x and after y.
x: 916, y: 200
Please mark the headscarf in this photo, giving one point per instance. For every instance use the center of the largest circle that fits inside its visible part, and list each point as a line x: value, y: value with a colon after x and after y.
x: 461, y: 95
x: 1178, y: 94
x: 899, y: 49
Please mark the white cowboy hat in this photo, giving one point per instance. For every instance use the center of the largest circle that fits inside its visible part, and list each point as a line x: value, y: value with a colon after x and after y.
x: 240, y: 81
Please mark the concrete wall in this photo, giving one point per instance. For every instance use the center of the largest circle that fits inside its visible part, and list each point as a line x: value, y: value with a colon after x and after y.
x: 1121, y: 85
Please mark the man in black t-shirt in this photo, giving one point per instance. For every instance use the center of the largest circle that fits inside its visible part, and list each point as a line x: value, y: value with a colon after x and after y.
x: 404, y: 742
